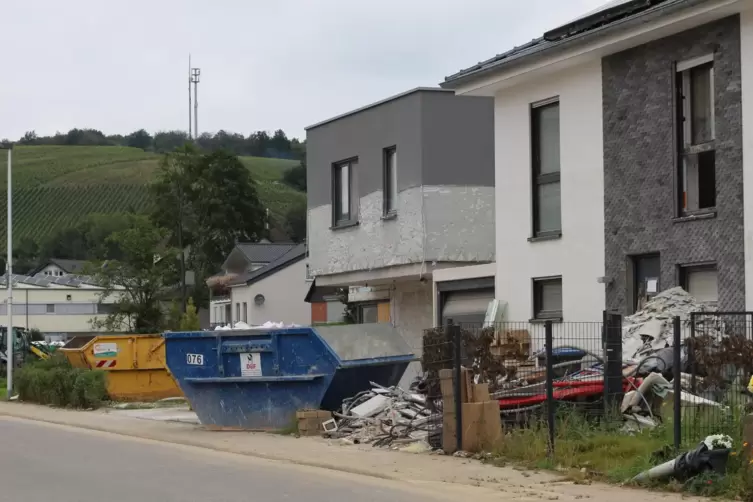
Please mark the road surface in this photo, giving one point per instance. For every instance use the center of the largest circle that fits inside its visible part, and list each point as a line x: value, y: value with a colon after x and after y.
x: 41, y: 462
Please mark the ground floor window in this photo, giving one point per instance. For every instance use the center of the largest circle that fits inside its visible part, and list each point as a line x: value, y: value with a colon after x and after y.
x: 547, y: 298
x: 701, y: 281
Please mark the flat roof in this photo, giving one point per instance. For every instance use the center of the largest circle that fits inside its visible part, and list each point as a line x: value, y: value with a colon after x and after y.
x: 379, y: 103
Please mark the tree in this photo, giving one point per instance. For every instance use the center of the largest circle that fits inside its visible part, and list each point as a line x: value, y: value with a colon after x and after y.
x: 280, y: 144
x: 295, y: 222
x: 295, y: 177
x: 211, y: 202
x: 137, y: 280
x: 168, y: 141
x: 139, y: 139
x: 87, y: 240
x: 190, y: 319
x: 29, y: 138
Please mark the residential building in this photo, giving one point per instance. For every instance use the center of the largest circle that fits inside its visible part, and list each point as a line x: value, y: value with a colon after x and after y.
x: 57, y: 267
x: 396, y: 191
x: 64, y: 305
x: 621, y: 135
x: 275, y: 292
x: 246, y: 257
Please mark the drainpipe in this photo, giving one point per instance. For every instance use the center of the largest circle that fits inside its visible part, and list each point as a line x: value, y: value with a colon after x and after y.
x: 27, y: 309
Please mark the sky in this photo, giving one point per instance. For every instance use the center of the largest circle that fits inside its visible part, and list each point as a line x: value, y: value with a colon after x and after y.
x: 119, y: 66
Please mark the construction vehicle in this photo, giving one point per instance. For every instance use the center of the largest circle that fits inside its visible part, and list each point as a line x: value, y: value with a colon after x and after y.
x: 23, y: 347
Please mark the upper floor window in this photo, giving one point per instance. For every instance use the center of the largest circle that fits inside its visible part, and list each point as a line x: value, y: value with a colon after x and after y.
x: 696, y: 176
x: 545, y: 143
x: 341, y: 192
x: 390, y: 180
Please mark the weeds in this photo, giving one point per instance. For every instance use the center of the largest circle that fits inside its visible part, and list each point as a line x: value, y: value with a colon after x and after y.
x: 54, y: 381
x: 584, y: 450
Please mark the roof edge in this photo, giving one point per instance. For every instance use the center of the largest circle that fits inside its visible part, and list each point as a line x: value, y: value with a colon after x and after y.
x: 536, y: 51
x: 377, y: 103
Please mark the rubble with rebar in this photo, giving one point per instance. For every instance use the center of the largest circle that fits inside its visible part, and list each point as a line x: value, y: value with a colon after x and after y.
x: 388, y: 417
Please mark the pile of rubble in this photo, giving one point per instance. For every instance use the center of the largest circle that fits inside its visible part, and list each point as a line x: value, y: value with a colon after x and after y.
x: 650, y: 330
x: 387, y: 416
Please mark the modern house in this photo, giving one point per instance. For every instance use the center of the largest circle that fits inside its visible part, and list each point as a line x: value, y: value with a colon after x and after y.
x: 64, y: 305
x: 246, y: 257
x: 622, y: 152
x: 398, y: 190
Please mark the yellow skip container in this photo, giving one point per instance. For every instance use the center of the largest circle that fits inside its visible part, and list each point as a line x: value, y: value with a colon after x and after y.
x: 135, y: 365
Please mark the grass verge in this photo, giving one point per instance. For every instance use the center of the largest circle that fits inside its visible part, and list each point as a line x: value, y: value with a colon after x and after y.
x: 586, y: 452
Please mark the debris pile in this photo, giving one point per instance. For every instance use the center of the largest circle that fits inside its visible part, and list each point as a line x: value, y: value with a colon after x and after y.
x: 650, y: 330
x: 266, y: 325
x: 387, y: 416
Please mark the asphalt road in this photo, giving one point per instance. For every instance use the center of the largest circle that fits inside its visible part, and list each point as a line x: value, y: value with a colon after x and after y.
x: 41, y: 462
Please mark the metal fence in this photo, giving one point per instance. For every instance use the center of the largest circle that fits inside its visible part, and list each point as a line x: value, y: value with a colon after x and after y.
x: 537, y: 371
x: 715, y: 369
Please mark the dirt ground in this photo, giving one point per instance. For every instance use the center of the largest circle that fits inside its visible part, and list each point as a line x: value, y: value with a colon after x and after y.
x: 358, y: 459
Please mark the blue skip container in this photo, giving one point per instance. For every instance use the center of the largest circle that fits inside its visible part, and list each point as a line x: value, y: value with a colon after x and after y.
x: 257, y: 379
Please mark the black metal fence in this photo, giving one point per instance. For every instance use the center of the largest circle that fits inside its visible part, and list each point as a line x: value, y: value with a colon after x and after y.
x: 715, y: 370
x: 537, y: 371
x: 693, y: 378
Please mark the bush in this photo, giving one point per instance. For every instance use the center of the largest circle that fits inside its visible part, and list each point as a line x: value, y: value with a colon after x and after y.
x: 54, y: 381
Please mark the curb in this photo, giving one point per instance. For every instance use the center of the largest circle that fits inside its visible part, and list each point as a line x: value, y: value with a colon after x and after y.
x: 195, y: 444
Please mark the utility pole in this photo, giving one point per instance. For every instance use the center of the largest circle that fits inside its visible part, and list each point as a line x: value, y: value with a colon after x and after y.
x: 195, y: 74
x: 10, y: 335
x: 190, y: 122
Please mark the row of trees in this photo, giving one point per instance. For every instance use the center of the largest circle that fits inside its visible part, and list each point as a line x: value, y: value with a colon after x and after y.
x: 258, y: 144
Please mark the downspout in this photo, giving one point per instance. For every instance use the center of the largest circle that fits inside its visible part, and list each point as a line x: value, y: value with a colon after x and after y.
x: 27, y: 309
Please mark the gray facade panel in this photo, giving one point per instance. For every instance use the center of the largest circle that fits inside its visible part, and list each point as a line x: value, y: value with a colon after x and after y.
x: 458, y: 139
x: 640, y: 158
x: 365, y: 135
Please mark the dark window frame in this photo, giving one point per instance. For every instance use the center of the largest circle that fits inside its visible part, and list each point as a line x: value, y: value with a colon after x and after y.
x: 537, y: 179
x: 359, y: 310
x: 685, y: 268
x: 389, y: 206
x: 538, y: 312
x: 703, y: 152
x: 338, y: 219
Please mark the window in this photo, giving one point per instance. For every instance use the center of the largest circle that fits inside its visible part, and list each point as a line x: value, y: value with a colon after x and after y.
x: 545, y: 155
x: 237, y: 312
x: 547, y: 298
x: 50, y: 308
x: 367, y: 313
x: 245, y: 312
x: 701, y: 281
x: 390, y: 181
x: 341, y: 192
x: 697, y: 134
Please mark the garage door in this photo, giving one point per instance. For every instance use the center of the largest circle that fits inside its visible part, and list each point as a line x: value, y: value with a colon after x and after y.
x: 466, y: 306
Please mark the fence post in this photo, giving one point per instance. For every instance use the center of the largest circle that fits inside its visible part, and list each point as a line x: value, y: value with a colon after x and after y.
x: 691, y: 350
x: 549, y: 345
x: 677, y: 381
x: 612, y: 337
x: 457, y: 383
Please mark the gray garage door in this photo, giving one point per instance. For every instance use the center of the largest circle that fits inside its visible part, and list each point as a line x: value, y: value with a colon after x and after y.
x: 466, y: 306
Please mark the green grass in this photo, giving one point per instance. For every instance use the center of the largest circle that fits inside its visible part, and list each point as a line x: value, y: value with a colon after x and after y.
x: 56, y: 186
x: 586, y: 452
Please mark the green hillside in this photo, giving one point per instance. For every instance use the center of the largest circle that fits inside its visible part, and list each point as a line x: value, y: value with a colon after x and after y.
x: 56, y: 186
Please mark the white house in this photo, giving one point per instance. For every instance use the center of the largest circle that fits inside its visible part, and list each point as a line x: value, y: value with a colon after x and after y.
x: 57, y: 267
x: 275, y: 292
x: 621, y: 159
x: 55, y: 305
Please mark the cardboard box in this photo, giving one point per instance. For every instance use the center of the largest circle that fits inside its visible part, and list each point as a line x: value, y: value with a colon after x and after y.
x: 482, y: 426
x: 481, y: 393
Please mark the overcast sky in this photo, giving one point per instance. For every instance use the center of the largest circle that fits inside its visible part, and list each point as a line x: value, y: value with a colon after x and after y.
x: 266, y: 64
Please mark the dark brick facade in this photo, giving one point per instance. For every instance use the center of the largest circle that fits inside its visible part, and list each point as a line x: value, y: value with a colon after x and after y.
x: 640, y: 164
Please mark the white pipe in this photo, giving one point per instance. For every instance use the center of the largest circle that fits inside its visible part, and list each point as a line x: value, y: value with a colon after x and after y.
x: 9, y: 273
